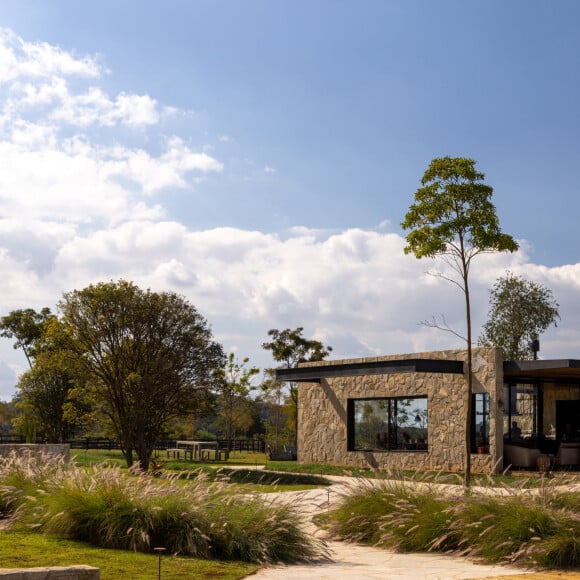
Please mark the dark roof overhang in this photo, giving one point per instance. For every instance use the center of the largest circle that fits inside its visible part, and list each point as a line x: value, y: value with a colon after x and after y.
x: 314, y: 374
x: 542, y: 371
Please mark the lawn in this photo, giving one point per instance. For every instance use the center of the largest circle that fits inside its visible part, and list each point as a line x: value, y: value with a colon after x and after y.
x: 27, y: 550
x: 111, y: 514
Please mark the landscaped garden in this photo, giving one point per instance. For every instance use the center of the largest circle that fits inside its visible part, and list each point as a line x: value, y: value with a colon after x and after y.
x: 194, y: 516
x: 211, y: 521
x: 509, y: 524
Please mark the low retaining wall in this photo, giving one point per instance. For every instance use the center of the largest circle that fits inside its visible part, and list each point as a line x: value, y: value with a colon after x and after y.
x: 52, y: 573
x: 54, y: 449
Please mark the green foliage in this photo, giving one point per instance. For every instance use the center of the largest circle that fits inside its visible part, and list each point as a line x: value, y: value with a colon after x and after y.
x: 24, y: 550
x: 290, y: 347
x: 7, y: 415
x: 256, y: 530
x: 359, y: 517
x: 115, y: 509
x: 453, y: 214
x: 513, y: 526
x: 149, y: 358
x: 497, y: 529
x: 561, y: 550
x: 234, y: 385
x: 453, y: 217
x: 520, y: 310
x: 26, y: 327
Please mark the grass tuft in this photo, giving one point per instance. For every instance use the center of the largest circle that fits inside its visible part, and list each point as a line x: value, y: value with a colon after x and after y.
x: 111, y: 508
x: 509, y: 525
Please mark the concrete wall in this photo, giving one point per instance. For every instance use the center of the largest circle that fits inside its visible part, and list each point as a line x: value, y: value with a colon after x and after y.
x: 52, y: 573
x: 322, y: 413
x: 56, y: 450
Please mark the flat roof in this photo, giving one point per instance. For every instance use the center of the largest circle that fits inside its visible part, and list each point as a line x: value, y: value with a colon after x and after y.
x: 314, y: 374
x: 542, y: 371
x: 523, y: 371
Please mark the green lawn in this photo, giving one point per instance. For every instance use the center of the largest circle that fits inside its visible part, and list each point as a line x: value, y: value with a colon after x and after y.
x: 22, y: 550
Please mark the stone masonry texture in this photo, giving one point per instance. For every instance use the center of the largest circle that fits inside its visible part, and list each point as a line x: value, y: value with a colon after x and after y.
x: 322, y: 413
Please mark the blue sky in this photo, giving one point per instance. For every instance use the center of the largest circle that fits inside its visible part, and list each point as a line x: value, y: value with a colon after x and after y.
x: 258, y: 157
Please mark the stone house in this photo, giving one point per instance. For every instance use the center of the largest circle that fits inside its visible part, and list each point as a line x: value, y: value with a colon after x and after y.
x: 409, y: 411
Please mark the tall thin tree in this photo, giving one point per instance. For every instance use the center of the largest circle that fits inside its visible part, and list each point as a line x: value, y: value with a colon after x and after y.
x: 453, y: 218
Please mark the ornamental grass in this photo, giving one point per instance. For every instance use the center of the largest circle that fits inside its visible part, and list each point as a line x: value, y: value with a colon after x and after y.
x: 526, y: 527
x: 110, y: 508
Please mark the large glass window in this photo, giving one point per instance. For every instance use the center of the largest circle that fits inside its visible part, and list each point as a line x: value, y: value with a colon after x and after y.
x: 521, y: 416
x: 388, y: 424
x: 480, y: 423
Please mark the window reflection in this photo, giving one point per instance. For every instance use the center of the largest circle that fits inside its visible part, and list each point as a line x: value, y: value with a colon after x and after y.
x: 388, y: 424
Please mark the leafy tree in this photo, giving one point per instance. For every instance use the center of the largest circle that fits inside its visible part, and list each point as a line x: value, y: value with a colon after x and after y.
x: 278, y: 418
x: 290, y: 347
x: 26, y: 327
x: 453, y: 218
x: 148, y: 357
x: 7, y: 414
x: 520, y: 311
x: 235, y: 412
x: 46, y: 390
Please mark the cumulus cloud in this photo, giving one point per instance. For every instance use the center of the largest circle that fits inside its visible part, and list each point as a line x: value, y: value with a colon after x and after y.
x: 19, y: 58
x: 354, y: 289
x: 54, y: 166
x: 76, y: 207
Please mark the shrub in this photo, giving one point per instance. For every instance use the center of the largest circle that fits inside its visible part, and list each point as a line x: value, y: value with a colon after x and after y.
x: 256, y: 531
x: 562, y: 550
x: 501, y: 528
x: 359, y: 517
x: 420, y: 523
x: 110, y: 508
x: 529, y: 528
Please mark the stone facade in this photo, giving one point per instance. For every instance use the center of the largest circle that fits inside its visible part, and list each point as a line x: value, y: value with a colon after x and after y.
x: 322, y: 413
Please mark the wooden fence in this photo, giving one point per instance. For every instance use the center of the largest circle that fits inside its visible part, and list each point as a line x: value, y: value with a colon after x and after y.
x: 250, y: 445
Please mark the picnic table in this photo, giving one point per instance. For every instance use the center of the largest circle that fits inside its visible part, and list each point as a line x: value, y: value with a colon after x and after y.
x: 200, y: 450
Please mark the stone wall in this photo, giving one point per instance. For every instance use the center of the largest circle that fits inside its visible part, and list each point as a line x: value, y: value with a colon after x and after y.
x: 51, y: 573
x: 53, y: 449
x: 322, y: 413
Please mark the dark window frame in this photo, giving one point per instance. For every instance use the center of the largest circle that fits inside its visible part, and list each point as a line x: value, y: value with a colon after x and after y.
x: 480, y: 407
x: 392, y: 441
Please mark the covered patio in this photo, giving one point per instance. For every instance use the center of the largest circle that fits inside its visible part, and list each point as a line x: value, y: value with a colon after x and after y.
x: 542, y: 413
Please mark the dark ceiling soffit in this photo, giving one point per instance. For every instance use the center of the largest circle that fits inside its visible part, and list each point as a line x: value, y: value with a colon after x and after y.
x: 418, y: 365
x: 542, y: 371
x: 540, y: 365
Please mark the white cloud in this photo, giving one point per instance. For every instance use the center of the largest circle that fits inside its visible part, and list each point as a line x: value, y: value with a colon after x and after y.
x: 76, y: 208
x: 268, y: 169
x: 354, y: 289
x: 19, y: 58
x: 55, y: 167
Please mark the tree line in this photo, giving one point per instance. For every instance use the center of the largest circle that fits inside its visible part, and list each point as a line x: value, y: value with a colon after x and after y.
x: 136, y: 365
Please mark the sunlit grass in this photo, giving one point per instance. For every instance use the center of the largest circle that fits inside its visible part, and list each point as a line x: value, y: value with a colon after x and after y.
x: 539, y: 527
x: 113, y: 508
x: 27, y: 550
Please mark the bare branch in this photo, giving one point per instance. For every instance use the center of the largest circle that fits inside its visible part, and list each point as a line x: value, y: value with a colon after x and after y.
x: 437, y: 274
x: 442, y: 326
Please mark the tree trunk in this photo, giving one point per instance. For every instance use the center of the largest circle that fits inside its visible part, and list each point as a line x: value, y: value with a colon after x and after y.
x: 467, y: 478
